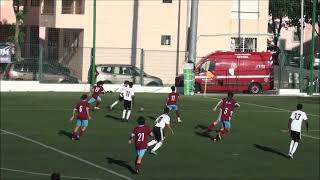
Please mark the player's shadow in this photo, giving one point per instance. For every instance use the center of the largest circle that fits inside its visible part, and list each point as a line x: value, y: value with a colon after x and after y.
x: 65, y: 133
x: 121, y: 163
x: 113, y: 117
x: 269, y: 149
x: 199, y: 130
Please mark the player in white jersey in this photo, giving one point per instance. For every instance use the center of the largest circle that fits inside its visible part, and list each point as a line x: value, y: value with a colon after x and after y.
x: 161, y: 122
x: 294, y: 127
x: 122, y: 89
x: 128, y: 96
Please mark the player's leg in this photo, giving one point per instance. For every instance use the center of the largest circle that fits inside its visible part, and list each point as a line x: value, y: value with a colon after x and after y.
x: 214, y: 123
x: 75, y: 134
x: 296, y: 136
x: 92, y: 100
x: 115, y: 102
x: 156, y: 135
x: 159, y: 139
x: 98, y: 102
x: 124, y: 111
x: 224, y: 130
x: 84, y: 126
x: 129, y: 110
x: 140, y: 154
x: 175, y: 108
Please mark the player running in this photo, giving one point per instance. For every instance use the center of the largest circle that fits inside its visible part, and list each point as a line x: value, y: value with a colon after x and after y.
x: 227, y: 106
x: 161, y: 122
x: 122, y: 89
x: 172, y: 100
x: 83, y: 116
x: 294, y: 128
x: 96, y: 91
x: 140, y: 135
x: 128, y: 96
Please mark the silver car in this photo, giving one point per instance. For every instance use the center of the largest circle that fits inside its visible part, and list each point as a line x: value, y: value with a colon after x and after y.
x: 118, y: 73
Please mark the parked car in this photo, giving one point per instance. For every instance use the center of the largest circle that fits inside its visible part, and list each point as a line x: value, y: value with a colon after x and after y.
x: 118, y: 73
x: 30, y: 71
x: 233, y: 71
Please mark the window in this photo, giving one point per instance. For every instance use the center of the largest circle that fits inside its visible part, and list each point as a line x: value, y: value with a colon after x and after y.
x: 249, y: 9
x: 207, y: 66
x: 244, y: 44
x: 72, y: 7
x: 35, y: 3
x: 166, y: 1
x: 166, y: 40
x: 107, y: 69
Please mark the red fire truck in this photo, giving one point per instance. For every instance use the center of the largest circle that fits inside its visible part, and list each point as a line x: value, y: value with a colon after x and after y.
x: 235, y: 71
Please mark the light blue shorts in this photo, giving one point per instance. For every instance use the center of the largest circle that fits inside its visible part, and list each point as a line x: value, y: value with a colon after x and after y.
x: 140, y: 152
x: 172, y: 107
x: 82, y: 123
x: 225, y: 124
x: 92, y: 100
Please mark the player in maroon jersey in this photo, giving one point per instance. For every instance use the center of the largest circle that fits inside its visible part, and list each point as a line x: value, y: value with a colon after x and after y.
x: 227, y: 106
x: 140, y: 136
x: 96, y: 91
x: 83, y: 116
x: 172, y: 100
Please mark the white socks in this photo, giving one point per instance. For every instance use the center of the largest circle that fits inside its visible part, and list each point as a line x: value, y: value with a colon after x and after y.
x: 124, y: 114
x: 128, y: 114
x: 293, y: 147
x: 115, y: 103
x: 151, y: 143
x: 157, y: 146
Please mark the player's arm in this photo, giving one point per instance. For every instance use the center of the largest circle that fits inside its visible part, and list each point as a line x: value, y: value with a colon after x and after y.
x: 307, y: 125
x: 289, y: 124
x: 218, y: 104
x: 131, y: 138
x: 73, y: 114
x: 169, y: 127
x: 88, y: 112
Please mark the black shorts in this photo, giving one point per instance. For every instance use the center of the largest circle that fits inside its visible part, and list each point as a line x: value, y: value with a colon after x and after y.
x: 158, y: 133
x: 295, y: 135
x: 127, y: 104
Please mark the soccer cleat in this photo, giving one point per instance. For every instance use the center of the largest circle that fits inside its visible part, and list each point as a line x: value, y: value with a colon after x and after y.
x: 137, y: 171
x: 290, y: 155
x: 179, y: 120
x: 110, y: 108
x: 97, y: 108
x: 153, y: 152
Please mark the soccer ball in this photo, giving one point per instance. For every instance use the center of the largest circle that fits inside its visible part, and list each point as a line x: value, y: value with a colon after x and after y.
x: 141, y: 109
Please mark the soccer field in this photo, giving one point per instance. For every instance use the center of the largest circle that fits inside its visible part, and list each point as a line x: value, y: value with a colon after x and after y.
x: 35, y: 142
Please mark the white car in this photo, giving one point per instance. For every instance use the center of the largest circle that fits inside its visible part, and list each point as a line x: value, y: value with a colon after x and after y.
x: 316, y: 62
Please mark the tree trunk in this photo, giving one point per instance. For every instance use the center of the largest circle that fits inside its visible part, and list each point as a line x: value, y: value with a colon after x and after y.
x: 275, y: 38
x: 16, y: 41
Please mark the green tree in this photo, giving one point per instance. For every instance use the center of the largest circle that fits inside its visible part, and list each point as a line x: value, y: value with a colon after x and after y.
x: 20, y: 13
x: 279, y: 9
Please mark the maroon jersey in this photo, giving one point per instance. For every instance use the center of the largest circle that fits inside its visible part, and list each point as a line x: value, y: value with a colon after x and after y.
x: 81, y: 108
x: 172, y: 98
x: 97, y: 91
x: 227, y: 109
x: 141, y: 134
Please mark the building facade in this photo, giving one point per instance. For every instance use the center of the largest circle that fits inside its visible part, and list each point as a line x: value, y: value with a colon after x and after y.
x: 159, y: 27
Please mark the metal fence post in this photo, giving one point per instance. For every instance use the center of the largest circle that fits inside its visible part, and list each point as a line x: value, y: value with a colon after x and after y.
x: 141, y: 67
x: 40, y: 63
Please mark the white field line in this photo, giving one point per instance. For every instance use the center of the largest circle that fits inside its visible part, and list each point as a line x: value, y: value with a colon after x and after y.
x: 44, y: 174
x: 286, y: 110
x: 305, y: 135
x: 67, y: 154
